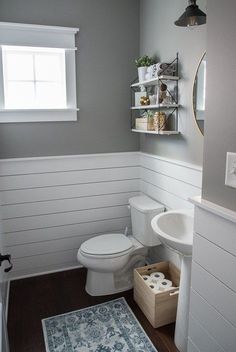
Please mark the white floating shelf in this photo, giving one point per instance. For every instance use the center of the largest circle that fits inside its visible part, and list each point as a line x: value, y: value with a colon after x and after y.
x: 159, y: 106
x: 154, y: 81
x: 156, y: 132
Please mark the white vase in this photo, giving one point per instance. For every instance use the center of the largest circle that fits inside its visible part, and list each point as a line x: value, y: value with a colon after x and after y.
x: 141, y: 73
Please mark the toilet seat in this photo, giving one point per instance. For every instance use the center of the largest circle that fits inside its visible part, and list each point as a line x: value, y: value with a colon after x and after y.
x: 109, y: 245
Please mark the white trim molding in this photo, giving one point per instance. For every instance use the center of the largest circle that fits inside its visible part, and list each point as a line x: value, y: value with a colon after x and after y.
x: 214, y: 208
x: 38, y: 27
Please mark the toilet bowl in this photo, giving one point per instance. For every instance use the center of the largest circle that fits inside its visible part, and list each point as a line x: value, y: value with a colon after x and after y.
x: 111, y: 258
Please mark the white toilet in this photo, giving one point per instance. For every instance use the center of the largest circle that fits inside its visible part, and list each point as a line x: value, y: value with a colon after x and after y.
x: 111, y: 258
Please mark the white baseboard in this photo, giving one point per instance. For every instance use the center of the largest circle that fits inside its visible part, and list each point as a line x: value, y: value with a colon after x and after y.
x: 47, y: 272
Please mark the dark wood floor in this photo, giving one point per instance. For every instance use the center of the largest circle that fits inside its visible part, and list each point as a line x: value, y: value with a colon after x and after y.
x: 40, y: 297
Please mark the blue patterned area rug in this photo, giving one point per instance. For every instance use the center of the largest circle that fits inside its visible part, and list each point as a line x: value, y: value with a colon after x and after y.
x: 106, y: 327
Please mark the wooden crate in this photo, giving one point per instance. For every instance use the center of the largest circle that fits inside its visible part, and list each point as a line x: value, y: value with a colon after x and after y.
x: 159, y: 308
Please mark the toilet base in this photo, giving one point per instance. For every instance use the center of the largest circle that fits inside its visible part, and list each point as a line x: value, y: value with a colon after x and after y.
x: 106, y: 276
x: 102, y: 284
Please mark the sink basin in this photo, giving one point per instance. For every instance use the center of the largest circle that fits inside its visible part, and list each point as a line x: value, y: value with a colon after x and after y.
x: 175, y: 230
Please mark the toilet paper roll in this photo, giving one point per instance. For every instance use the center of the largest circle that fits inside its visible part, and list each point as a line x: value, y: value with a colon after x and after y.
x: 154, y: 287
x: 146, y: 278
x: 157, y: 276
x: 165, y: 285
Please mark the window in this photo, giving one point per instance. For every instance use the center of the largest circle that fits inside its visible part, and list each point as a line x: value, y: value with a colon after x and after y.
x: 40, y: 81
x: 37, y: 82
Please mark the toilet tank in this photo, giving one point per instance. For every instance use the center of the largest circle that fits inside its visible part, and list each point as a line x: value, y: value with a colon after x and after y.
x: 143, y: 209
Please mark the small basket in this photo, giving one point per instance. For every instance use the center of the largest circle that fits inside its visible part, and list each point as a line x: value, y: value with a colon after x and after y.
x: 144, y: 124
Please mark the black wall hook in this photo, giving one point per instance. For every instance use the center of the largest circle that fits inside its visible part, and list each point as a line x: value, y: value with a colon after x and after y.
x: 3, y: 258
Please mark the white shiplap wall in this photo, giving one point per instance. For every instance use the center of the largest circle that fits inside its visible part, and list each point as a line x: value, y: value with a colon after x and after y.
x: 212, y: 323
x: 52, y: 204
x: 171, y: 183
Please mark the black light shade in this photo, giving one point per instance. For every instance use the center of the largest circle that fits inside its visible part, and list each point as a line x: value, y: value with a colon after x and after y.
x: 192, y: 16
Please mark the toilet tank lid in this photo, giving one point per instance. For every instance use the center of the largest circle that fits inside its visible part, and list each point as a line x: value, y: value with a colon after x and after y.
x: 145, y: 204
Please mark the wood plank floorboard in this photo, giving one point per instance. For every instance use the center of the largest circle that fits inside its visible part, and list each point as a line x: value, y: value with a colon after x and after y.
x: 39, y: 297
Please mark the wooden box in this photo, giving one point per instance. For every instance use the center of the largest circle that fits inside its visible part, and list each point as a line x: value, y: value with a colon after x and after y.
x: 144, y: 124
x: 159, y: 308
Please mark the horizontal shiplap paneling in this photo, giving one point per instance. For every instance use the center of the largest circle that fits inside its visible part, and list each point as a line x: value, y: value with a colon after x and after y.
x: 169, y: 182
x: 215, y: 260
x: 68, y: 205
x: 62, y: 219
x: 198, y: 336
x: 170, y: 200
x: 216, y: 229
x: 25, y: 166
x: 44, y: 262
x: 51, y: 205
x: 184, y: 172
x: 56, y: 232
x: 69, y: 191
x: 222, y: 298
x: 222, y: 331
x: 192, y: 347
x: 67, y: 178
x: 212, y: 324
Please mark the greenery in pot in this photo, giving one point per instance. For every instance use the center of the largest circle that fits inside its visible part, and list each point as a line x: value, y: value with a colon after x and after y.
x: 149, y: 114
x: 144, y: 61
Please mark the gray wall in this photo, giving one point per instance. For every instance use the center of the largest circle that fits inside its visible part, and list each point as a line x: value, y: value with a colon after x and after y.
x: 220, y: 131
x: 108, y: 43
x: 159, y: 35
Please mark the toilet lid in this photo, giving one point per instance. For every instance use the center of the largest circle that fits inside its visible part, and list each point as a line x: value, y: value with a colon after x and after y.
x: 107, y: 244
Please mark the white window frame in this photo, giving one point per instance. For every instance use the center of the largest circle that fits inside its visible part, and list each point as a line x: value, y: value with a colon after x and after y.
x: 37, y: 36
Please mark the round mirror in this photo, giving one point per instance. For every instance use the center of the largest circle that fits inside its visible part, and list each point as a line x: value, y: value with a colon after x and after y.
x: 199, y: 94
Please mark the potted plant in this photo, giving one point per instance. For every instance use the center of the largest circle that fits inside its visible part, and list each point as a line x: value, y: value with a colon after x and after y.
x: 142, y: 64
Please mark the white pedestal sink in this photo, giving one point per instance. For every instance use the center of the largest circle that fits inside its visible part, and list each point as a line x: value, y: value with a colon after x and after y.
x: 175, y: 230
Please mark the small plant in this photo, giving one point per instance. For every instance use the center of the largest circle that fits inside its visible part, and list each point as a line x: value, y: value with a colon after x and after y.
x: 149, y: 114
x: 144, y: 61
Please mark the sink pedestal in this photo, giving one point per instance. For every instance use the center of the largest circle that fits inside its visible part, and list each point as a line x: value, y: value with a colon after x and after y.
x: 181, y: 327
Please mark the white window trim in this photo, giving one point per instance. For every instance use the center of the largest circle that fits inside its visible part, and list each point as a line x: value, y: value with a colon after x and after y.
x: 41, y: 36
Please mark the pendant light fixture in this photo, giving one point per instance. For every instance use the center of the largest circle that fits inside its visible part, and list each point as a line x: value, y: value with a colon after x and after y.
x: 192, y: 16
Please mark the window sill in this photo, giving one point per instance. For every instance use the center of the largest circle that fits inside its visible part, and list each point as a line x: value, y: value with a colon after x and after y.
x: 37, y: 115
